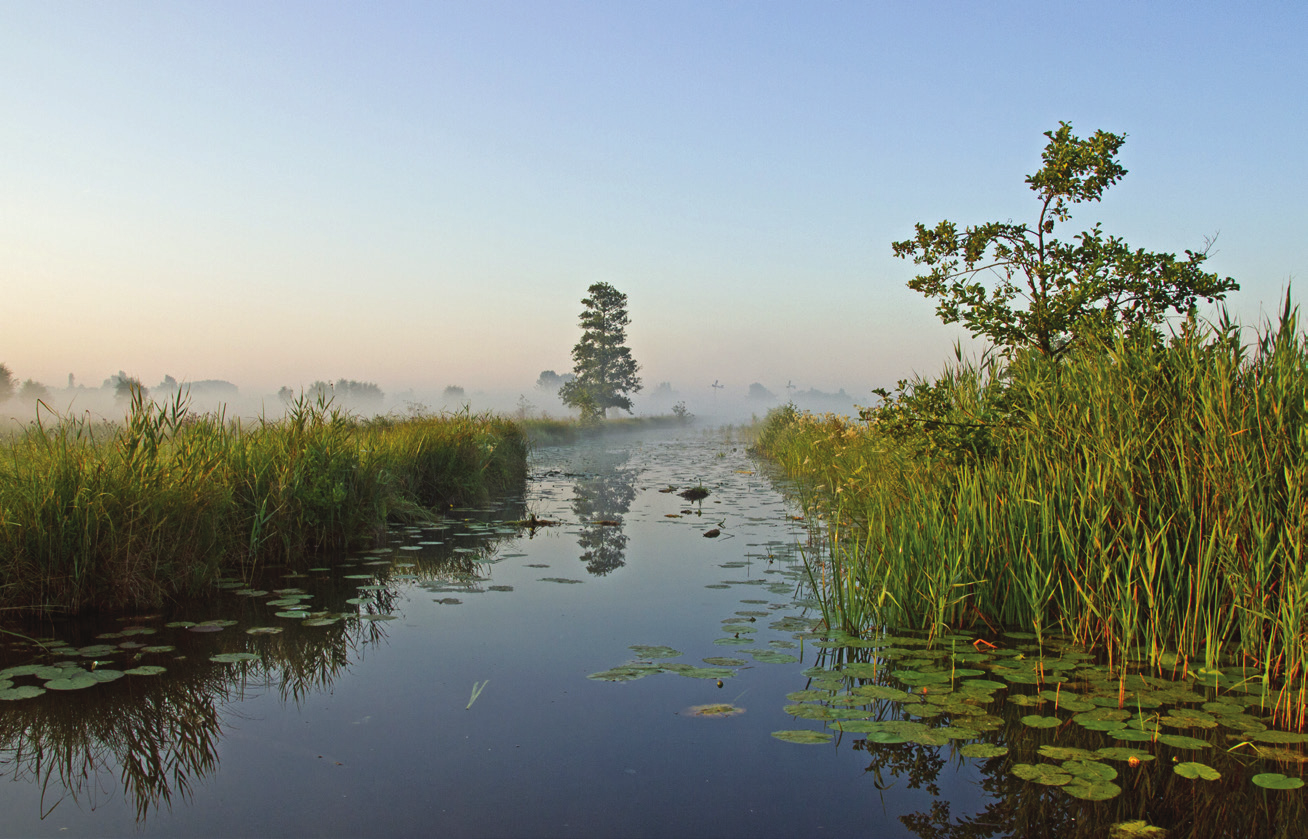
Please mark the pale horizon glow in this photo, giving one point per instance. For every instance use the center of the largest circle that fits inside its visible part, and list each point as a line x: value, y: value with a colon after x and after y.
x: 419, y: 194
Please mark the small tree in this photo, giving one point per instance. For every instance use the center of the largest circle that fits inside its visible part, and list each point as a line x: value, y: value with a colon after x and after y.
x: 6, y: 382
x: 127, y: 387
x: 605, y: 371
x: 33, y: 391
x: 1066, y: 289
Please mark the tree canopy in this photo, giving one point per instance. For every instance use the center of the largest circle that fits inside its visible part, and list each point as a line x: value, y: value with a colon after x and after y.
x: 602, y: 363
x: 1047, y: 293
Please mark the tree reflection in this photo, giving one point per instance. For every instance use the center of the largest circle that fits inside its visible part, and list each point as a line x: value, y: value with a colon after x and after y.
x: 157, y: 735
x: 601, y: 497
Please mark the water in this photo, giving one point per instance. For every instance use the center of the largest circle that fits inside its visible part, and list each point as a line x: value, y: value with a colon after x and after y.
x: 468, y: 707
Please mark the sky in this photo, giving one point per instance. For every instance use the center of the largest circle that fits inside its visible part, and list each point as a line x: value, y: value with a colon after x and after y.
x: 419, y: 194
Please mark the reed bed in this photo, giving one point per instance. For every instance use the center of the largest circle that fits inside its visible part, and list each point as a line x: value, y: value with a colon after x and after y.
x: 1145, y: 497
x: 100, y: 515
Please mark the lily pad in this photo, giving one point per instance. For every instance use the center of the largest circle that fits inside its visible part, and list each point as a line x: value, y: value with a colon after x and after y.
x: 983, y: 750
x: 377, y: 617
x: 74, y: 682
x: 1180, y: 741
x: 21, y: 692
x: 263, y: 630
x: 649, y: 651
x: 1037, y: 721
x: 1195, y: 770
x: 1280, y: 737
x: 1041, y: 773
x: 1275, y: 780
x: 1092, y: 790
x: 1136, y: 829
x: 232, y: 658
x: 294, y: 615
x: 146, y: 670
x: 564, y: 580
x: 803, y: 736
x: 715, y: 710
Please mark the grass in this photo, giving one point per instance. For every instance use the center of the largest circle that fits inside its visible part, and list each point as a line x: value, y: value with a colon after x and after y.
x: 98, y: 515
x: 1146, y: 498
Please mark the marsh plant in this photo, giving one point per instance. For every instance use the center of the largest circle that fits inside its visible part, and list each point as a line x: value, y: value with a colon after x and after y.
x: 1143, y: 496
x: 96, y: 515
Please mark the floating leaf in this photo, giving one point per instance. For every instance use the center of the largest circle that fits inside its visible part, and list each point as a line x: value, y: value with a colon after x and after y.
x: 723, y: 661
x: 106, y: 675
x: 1092, y: 790
x: 1280, y: 737
x: 1179, y: 741
x: 1041, y: 773
x: 983, y: 750
x: 716, y: 710
x: 1136, y: 829
x: 649, y: 651
x: 1275, y: 780
x: 21, y: 692
x: 803, y: 736
x: 563, y: 580
x: 294, y: 615
x: 1089, y: 770
x: 377, y: 617
x: 263, y: 630
x: 1067, y: 753
x: 1196, y: 770
x: 773, y: 657
x: 1037, y: 721
x: 146, y: 670
x: 1124, y: 754
x: 321, y: 621
x: 77, y: 681
x: 230, y: 658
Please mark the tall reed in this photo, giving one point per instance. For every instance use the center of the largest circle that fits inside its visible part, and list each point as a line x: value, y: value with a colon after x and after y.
x: 123, y: 515
x: 1145, y: 497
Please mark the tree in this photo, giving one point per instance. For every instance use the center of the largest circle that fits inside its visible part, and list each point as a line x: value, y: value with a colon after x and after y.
x: 6, y: 382
x: 33, y: 391
x: 605, y: 371
x: 1050, y: 293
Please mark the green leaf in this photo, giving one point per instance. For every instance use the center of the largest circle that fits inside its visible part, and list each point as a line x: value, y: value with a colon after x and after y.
x: 1196, y: 770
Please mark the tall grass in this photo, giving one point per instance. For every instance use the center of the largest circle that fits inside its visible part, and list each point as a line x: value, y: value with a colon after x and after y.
x: 1144, y: 497
x: 125, y: 515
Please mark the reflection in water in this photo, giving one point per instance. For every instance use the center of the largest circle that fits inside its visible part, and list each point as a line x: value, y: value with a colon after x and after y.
x: 600, y: 499
x: 158, y: 735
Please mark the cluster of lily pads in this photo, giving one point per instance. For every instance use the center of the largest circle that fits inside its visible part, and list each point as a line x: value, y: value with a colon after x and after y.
x: 902, y: 689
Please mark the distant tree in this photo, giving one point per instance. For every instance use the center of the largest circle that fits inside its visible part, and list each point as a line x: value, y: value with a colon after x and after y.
x: 285, y: 394
x: 359, y: 391
x: 321, y: 390
x: 453, y: 393
x: 605, y: 371
x: 550, y: 382
x: 32, y: 391
x: 1047, y: 293
x: 168, y: 384
x: 125, y: 387
x: 759, y: 392
x: 6, y: 382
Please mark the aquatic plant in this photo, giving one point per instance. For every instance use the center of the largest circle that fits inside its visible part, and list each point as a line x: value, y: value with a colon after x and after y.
x: 162, y: 505
x: 1142, y: 496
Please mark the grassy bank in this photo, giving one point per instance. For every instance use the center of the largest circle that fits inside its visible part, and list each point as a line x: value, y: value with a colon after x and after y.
x: 1147, y: 498
x: 97, y: 515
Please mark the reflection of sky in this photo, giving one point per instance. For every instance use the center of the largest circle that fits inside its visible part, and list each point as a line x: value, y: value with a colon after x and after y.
x: 419, y: 194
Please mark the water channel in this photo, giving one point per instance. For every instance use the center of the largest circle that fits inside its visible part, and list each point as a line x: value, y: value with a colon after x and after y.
x: 620, y: 672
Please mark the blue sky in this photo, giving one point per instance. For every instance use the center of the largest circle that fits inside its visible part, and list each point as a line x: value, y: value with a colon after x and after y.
x: 419, y: 194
